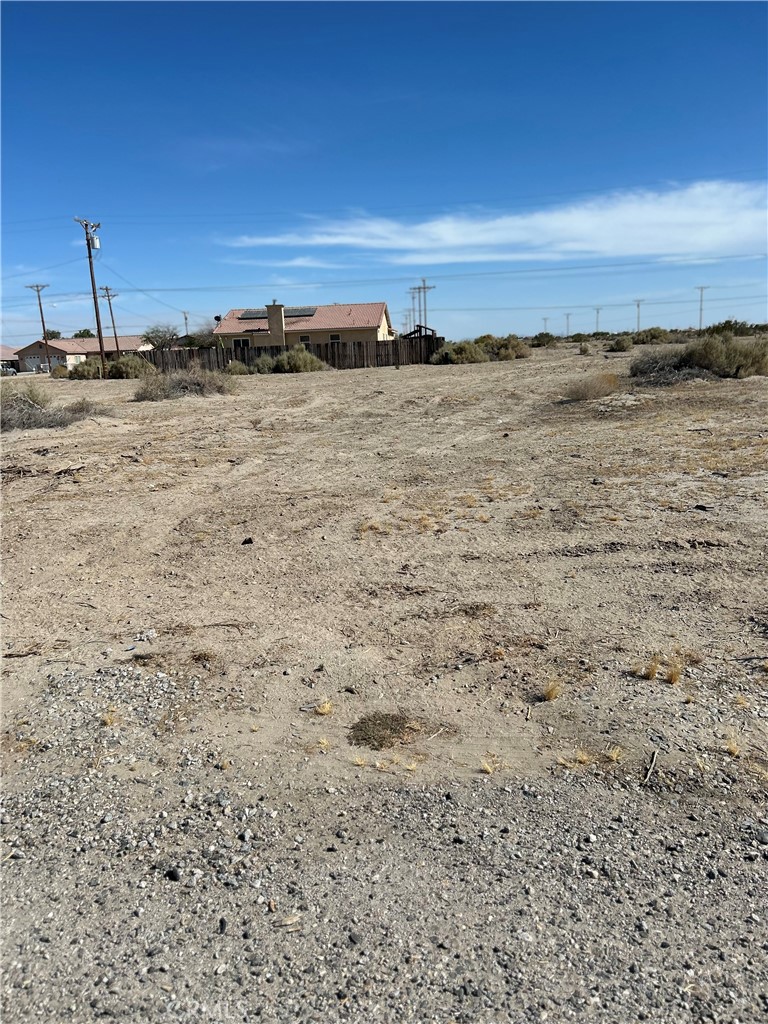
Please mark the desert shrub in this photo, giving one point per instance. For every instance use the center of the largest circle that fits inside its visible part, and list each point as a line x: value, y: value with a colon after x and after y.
x: 593, y: 387
x: 514, y: 350
x: 650, y: 336
x: 90, y: 369
x: 28, y: 408
x: 719, y: 356
x: 460, y: 352
x: 726, y: 357
x: 264, y: 364
x: 580, y: 339
x: 131, y: 367
x: 202, y: 383
x: 59, y: 372
x: 621, y: 344
x: 298, y: 360
x: 738, y: 328
x: 584, y: 349
x: 237, y: 369
x: 544, y: 340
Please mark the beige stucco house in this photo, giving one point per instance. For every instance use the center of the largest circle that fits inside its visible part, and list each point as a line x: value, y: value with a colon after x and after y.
x: 70, y: 351
x: 285, y: 326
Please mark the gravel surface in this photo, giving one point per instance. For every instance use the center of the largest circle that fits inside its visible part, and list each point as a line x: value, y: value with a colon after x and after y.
x: 140, y: 889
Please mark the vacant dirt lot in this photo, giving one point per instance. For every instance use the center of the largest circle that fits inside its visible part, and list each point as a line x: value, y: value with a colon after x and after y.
x: 569, y: 596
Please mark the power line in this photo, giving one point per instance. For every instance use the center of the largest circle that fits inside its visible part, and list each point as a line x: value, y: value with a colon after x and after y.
x: 518, y: 271
x: 26, y: 273
x: 143, y: 291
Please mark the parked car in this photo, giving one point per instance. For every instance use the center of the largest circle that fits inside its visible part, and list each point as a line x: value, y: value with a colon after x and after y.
x: 8, y: 371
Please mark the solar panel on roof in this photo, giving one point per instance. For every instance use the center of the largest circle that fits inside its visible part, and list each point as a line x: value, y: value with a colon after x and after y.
x: 289, y: 311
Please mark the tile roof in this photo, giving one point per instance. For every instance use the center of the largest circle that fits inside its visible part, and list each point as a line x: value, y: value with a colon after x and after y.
x: 7, y: 353
x: 337, y: 317
x: 88, y: 346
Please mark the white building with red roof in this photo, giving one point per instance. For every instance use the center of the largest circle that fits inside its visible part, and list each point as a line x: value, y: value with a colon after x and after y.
x: 285, y: 326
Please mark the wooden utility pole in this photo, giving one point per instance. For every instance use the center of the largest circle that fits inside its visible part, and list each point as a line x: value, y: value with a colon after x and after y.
x: 701, y: 288
x: 424, y: 289
x: 38, y: 288
x: 109, y: 295
x: 92, y: 241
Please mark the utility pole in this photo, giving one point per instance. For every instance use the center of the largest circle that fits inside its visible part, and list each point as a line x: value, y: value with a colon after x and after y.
x: 38, y: 288
x: 637, y: 303
x: 109, y: 295
x: 546, y: 321
x: 701, y: 288
x: 185, y: 314
x: 92, y: 242
x: 567, y: 326
x: 597, y: 318
x: 415, y: 299
x: 426, y: 288
x: 414, y: 292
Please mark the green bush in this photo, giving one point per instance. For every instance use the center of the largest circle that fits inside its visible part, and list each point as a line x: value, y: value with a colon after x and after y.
x: 580, y: 339
x: 202, y: 383
x: 131, y: 367
x: 237, y: 369
x: 620, y: 344
x: 719, y: 356
x: 460, y: 352
x: 264, y: 364
x: 298, y: 360
x: 59, y: 372
x: 90, y: 369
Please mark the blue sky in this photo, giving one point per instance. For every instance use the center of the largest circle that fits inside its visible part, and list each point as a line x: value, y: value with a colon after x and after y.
x: 527, y: 159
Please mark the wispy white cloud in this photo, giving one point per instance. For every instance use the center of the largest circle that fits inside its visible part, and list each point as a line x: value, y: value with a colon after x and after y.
x: 297, y: 261
x: 709, y: 218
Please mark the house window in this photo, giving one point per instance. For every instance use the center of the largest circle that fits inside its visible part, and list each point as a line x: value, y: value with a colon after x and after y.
x: 242, y: 344
x: 303, y: 338
x: 335, y: 337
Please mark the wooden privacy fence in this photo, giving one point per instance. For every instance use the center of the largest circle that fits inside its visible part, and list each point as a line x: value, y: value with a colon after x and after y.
x: 341, y: 355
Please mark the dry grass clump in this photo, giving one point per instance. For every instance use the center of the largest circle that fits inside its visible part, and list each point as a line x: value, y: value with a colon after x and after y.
x: 601, y: 386
x: 551, y: 690
x: 201, y: 383
x: 674, y: 672
x: 28, y: 408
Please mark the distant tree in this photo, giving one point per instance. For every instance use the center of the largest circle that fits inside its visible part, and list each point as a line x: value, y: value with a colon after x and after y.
x: 52, y: 335
x: 203, y: 338
x: 85, y: 333
x: 161, y: 336
x: 740, y: 328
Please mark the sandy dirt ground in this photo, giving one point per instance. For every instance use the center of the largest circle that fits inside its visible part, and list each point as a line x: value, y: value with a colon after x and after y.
x: 213, y: 611
x: 447, y: 543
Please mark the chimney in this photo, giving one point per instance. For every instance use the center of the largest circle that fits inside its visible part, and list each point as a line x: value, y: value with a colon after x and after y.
x: 276, y: 320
